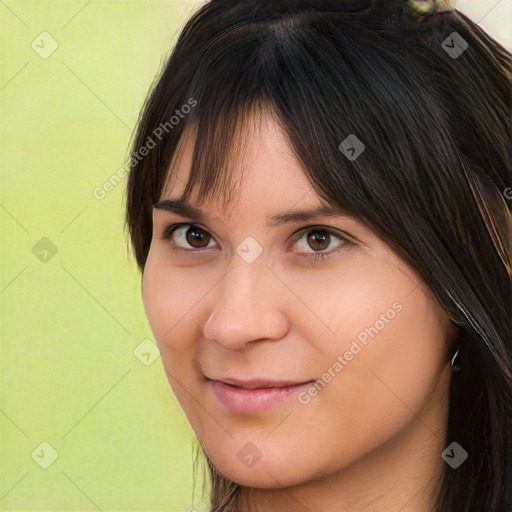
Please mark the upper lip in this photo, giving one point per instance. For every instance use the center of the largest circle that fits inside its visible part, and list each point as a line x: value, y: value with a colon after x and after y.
x: 260, y: 383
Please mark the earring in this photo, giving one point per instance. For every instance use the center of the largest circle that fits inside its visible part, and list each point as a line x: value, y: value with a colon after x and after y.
x: 452, y: 362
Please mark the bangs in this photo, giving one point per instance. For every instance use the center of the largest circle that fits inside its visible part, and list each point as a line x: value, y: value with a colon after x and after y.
x: 219, y: 142
x: 265, y: 68
x: 318, y: 81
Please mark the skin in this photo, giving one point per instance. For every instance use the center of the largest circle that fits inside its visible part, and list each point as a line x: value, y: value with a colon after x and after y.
x: 372, y: 438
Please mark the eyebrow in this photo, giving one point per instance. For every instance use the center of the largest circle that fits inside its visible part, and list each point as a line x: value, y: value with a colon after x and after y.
x: 181, y: 207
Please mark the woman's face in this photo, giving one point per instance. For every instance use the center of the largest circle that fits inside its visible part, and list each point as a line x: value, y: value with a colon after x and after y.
x: 351, y: 347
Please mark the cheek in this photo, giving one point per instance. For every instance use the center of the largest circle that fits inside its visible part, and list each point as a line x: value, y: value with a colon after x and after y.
x: 359, y: 300
x: 392, y: 341
x: 171, y: 297
x: 394, y: 375
x: 172, y: 305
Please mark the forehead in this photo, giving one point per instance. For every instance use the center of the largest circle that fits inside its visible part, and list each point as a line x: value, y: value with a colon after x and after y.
x: 259, y: 164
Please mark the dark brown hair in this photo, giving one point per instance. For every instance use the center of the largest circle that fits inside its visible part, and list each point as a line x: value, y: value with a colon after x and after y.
x: 430, y: 182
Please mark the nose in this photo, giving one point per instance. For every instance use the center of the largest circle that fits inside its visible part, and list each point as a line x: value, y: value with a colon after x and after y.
x: 248, y: 306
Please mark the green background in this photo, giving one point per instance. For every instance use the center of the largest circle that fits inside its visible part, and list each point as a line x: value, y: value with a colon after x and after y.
x: 72, y: 321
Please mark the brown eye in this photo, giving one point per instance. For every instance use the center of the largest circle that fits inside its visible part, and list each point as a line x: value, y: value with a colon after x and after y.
x: 315, y: 242
x: 196, y: 237
x: 318, y: 240
x: 319, y: 243
x: 187, y: 237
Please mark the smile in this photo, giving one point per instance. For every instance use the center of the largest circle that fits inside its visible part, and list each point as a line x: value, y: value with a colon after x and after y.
x: 255, y: 396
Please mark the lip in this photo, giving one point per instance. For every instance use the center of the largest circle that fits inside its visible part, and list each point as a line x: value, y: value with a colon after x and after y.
x: 249, y: 397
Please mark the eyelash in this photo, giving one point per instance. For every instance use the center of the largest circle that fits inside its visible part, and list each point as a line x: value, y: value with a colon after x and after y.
x: 313, y: 257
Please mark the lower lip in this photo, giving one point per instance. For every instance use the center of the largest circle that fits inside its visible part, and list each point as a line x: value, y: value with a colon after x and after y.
x: 247, y: 401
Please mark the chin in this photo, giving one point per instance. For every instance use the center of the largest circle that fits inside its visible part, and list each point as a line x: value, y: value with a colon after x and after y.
x: 272, y: 471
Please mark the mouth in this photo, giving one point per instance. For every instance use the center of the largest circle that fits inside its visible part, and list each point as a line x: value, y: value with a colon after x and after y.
x: 253, y: 396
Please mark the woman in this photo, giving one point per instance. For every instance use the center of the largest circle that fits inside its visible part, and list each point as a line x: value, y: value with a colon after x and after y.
x: 317, y: 204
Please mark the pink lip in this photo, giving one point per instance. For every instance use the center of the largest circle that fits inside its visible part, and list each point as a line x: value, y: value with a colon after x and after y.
x: 254, y: 396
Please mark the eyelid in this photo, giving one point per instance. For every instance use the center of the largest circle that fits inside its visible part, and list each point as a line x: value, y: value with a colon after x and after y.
x: 343, y: 237
x: 172, y: 228
x: 338, y: 233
